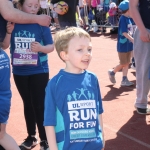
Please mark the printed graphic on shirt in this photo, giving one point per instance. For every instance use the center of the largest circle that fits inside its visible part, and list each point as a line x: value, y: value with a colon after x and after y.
x: 4, y: 62
x: 131, y: 29
x: 22, y: 53
x: 83, y: 116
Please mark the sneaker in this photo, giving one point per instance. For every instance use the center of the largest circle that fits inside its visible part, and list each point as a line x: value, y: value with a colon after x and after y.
x: 29, y: 142
x: 132, y: 66
x: 126, y: 82
x: 44, y: 145
x: 143, y: 111
x: 111, y: 77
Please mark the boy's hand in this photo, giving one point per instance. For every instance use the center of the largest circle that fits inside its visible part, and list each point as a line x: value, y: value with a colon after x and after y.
x: 35, y: 47
x: 10, y: 27
x: 132, y: 40
x: 145, y: 36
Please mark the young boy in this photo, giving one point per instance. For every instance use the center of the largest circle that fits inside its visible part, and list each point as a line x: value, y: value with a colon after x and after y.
x: 124, y: 45
x: 73, y: 104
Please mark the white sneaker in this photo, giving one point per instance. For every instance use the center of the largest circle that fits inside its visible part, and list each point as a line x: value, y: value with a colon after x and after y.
x: 111, y: 77
x: 126, y: 82
x: 133, y: 67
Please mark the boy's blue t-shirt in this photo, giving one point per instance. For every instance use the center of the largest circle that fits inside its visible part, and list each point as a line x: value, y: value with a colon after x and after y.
x: 73, y: 104
x: 5, y: 92
x: 125, y: 25
x: 22, y: 36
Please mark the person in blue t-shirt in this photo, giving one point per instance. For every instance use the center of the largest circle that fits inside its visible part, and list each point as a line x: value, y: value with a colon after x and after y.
x: 30, y: 44
x: 124, y: 45
x: 73, y: 104
x: 5, y: 92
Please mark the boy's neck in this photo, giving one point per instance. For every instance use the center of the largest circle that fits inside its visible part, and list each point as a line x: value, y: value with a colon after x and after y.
x: 73, y: 71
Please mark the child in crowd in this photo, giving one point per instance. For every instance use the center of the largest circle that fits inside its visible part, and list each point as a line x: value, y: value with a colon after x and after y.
x: 56, y: 21
x: 94, y: 4
x: 124, y: 45
x: 112, y: 14
x: 73, y: 104
x: 5, y: 92
x: 30, y: 44
x: 83, y: 13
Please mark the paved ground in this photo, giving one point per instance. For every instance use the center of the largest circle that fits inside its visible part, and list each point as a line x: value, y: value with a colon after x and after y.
x: 124, y: 128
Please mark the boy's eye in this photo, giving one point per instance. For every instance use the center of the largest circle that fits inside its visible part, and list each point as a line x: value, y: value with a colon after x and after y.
x: 79, y: 50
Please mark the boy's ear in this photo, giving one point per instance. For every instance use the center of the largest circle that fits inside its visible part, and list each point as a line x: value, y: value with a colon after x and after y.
x: 63, y: 55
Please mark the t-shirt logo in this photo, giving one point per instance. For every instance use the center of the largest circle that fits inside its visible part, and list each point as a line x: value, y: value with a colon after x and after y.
x: 83, y: 115
x: 22, y: 53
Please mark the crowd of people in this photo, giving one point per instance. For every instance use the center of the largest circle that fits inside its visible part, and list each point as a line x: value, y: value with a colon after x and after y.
x: 72, y: 101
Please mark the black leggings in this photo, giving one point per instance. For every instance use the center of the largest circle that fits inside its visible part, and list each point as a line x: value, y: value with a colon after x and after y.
x: 32, y: 91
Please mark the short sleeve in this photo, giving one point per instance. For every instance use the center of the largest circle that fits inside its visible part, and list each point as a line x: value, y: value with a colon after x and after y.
x: 50, y: 106
x: 99, y: 99
x: 123, y: 25
x: 46, y: 36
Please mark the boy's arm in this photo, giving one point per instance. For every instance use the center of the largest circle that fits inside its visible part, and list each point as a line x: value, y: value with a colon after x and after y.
x: 144, y: 34
x: 101, y: 125
x: 14, y: 15
x: 51, y: 137
x: 130, y: 38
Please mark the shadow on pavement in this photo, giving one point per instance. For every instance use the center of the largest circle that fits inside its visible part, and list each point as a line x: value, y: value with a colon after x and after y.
x: 133, y: 135
x: 114, y: 92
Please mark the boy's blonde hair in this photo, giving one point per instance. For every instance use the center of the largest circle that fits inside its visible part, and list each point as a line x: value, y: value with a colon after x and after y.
x: 63, y: 37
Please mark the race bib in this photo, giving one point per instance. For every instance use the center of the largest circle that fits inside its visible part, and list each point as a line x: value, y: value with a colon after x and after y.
x: 22, y: 54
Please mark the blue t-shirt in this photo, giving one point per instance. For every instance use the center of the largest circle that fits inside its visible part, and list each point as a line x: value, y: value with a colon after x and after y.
x: 22, y: 36
x: 73, y: 104
x: 5, y: 92
x: 125, y: 25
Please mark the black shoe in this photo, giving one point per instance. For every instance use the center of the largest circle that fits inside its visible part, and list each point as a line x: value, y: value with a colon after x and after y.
x: 104, y: 30
x: 44, y: 145
x: 143, y: 111
x: 114, y: 31
x: 98, y: 31
x: 29, y: 142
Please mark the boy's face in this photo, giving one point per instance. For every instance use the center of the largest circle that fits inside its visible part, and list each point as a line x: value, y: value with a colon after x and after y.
x: 78, y: 55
